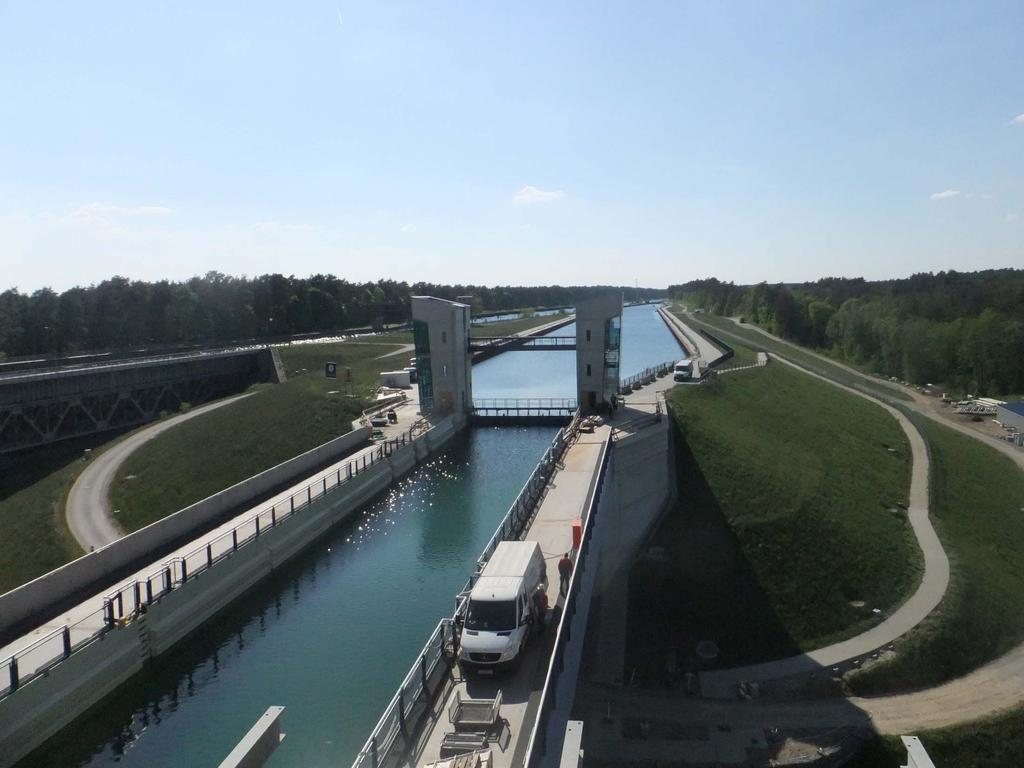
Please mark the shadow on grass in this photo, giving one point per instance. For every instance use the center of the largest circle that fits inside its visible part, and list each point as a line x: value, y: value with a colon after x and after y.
x: 21, y: 470
x: 695, y: 604
x: 696, y: 587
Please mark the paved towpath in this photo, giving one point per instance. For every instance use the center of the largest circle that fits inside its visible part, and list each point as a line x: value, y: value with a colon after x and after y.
x: 992, y: 688
x: 564, y: 500
x: 88, y: 507
x: 722, y: 683
x: 923, y: 404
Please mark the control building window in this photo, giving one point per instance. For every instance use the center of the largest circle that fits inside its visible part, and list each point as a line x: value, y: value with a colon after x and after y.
x: 588, y: 334
x: 444, y: 337
x: 588, y: 364
x: 444, y: 371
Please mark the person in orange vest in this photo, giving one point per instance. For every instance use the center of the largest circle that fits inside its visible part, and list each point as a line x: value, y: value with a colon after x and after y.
x: 564, y: 573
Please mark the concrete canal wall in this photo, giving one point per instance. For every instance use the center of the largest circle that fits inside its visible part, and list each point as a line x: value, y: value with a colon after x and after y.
x: 41, y: 707
x: 642, y: 486
x: 46, y: 596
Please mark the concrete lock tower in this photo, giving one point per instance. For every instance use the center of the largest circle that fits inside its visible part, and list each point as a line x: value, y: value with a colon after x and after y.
x: 598, y: 339
x: 440, y: 330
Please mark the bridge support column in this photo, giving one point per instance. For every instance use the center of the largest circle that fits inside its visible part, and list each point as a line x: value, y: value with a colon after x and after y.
x: 443, y: 362
x: 598, y: 338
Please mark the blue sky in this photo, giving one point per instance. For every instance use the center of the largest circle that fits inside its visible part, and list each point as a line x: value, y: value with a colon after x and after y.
x: 512, y: 143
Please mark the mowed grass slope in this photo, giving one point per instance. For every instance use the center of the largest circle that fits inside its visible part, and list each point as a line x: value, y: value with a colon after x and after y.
x: 510, y: 327
x: 207, y: 454
x: 804, y: 477
x: 977, y: 506
x: 33, y: 488
x: 996, y: 742
x: 730, y: 332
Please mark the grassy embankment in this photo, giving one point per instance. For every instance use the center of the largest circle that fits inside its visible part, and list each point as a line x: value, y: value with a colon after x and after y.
x: 977, y: 500
x: 509, y: 327
x: 730, y: 332
x: 995, y: 742
x: 210, y: 453
x: 33, y: 488
x: 785, y: 537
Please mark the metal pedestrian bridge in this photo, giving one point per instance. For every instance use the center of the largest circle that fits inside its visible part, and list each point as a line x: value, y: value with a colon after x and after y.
x: 519, y: 407
x: 530, y: 343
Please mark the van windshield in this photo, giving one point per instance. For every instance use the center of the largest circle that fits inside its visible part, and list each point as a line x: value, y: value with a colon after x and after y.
x: 491, y: 615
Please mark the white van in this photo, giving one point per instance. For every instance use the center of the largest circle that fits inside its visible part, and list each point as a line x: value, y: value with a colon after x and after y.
x: 500, y: 612
x: 683, y: 370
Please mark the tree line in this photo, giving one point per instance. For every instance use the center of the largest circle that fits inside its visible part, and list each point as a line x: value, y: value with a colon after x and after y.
x: 961, y: 330
x: 216, y: 308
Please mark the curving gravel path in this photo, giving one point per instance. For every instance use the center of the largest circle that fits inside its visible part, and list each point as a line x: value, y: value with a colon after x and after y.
x: 88, y: 507
x: 722, y: 683
x: 990, y: 689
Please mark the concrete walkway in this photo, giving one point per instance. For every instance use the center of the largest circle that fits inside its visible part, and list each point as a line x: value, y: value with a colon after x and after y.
x: 88, y: 510
x: 565, y: 499
x: 86, y: 617
x: 989, y: 690
x: 723, y: 683
x: 698, y: 347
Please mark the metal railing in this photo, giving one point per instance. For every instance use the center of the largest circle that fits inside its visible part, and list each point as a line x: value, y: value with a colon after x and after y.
x: 127, y: 601
x: 646, y: 376
x: 394, y: 726
x: 538, y: 739
x: 527, y: 342
x: 521, y: 511
x: 539, y: 406
x: 394, y: 722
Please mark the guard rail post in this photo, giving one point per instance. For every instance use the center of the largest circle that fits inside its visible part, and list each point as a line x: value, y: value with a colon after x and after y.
x: 401, y: 711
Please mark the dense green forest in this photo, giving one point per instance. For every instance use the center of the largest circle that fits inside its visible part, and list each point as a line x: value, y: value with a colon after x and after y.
x: 119, y: 313
x: 964, y: 330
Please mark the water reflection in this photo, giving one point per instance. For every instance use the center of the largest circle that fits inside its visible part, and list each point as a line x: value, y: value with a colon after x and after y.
x: 328, y: 636
x: 646, y: 341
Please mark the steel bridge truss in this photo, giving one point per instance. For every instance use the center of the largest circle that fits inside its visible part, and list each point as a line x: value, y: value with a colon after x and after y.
x: 49, y: 407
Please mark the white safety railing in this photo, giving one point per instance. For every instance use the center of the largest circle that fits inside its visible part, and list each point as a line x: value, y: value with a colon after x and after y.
x: 127, y: 601
x: 384, y: 739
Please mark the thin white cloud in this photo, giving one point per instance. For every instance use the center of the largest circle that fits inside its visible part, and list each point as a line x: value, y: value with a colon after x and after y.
x: 337, y: 10
x: 1011, y: 217
x: 408, y: 227
x: 946, y: 194
x: 1018, y: 120
x: 530, y: 195
x: 102, y: 209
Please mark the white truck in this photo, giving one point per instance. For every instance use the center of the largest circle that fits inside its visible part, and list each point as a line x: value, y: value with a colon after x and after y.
x: 500, y: 613
x: 683, y: 370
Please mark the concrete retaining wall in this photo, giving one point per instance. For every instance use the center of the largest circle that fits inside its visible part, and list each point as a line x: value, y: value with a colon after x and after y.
x: 642, y: 485
x: 41, y: 707
x: 47, y: 704
x: 45, y: 596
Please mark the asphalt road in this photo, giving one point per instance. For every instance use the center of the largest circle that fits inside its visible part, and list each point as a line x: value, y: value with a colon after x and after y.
x: 88, y: 508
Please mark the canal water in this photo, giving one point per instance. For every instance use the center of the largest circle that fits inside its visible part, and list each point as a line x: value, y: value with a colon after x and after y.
x: 646, y: 341
x: 331, y: 635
